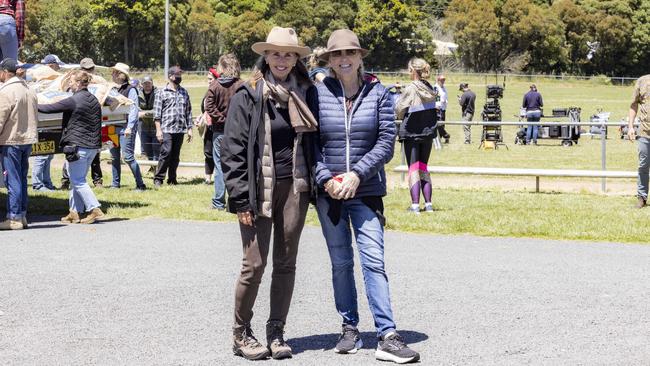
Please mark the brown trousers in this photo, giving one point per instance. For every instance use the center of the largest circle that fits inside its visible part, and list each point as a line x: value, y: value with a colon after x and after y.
x: 288, y: 219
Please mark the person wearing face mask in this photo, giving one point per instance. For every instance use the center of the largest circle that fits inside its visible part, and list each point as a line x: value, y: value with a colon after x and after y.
x: 173, y: 119
x: 265, y: 161
x: 127, y: 135
x: 81, y: 140
x: 18, y: 122
x: 356, y: 139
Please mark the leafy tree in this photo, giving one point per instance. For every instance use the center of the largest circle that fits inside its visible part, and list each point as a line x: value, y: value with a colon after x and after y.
x: 241, y: 32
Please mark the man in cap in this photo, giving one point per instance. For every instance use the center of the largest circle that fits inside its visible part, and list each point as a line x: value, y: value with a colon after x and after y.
x: 148, y: 140
x: 173, y: 119
x: 12, y: 27
x: 442, y: 100
x: 533, y: 104
x: 53, y: 61
x: 467, y: 103
x: 18, y: 131
x: 120, y: 74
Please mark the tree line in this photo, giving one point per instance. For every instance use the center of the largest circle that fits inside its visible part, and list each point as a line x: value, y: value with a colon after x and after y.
x: 506, y: 35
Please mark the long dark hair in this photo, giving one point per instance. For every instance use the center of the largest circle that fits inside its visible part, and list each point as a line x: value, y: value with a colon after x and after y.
x: 299, y: 71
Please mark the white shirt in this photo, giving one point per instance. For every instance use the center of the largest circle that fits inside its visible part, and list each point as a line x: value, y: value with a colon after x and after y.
x: 442, y: 93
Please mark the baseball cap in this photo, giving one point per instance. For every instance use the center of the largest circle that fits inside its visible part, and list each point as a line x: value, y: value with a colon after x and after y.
x: 87, y: 63
x: 9, y: 64
x: 51, y: 59
x: 462, y: 86
x: 174, y: 70
x: 147, y: 79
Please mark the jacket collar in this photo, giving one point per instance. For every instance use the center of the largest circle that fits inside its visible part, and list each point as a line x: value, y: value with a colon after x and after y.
x: 13, y: 80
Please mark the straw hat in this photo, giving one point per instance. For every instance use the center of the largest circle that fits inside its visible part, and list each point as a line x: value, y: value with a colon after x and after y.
x: 281, y: 39
x: 123, y: 68
x: 343, y: 39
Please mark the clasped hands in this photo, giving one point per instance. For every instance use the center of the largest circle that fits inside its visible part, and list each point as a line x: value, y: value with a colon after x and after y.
x: 343, y: 186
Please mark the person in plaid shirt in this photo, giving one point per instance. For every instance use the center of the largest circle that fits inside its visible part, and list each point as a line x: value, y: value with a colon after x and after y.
x: 12, y: 27
x: 173, y: 119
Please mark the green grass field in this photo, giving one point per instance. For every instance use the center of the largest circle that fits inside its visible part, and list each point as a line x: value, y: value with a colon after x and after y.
x: 488, y: 210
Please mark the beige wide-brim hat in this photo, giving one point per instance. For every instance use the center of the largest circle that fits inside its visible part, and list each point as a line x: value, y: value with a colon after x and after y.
x: 281, y: 39
x: 123, y: 68
x: 343, y: 39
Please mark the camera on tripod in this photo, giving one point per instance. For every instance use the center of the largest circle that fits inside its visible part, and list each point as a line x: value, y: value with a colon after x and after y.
x: 492, y: 113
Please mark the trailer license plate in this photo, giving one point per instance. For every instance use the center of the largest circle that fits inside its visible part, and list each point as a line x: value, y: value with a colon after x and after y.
x: 43, y: 147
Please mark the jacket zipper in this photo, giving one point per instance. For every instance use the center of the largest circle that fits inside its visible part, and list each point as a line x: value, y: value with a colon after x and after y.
x: 348, y: 124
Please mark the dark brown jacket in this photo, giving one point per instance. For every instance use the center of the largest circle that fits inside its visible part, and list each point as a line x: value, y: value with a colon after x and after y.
x: 217, y: 100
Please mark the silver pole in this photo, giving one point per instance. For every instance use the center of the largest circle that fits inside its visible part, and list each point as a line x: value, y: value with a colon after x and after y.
x: 166, y: 37
x: 603, y: 156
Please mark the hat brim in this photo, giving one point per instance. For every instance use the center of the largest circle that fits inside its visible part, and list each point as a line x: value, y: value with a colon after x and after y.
x: 261, y: 47
x: 122, y: 71
x: 326, y: 56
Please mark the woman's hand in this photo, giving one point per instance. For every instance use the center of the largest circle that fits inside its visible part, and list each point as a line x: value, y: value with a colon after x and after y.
x: 332, y: 186
x: 159, y: 135
x: 349, y: 183
x: 245, y: 218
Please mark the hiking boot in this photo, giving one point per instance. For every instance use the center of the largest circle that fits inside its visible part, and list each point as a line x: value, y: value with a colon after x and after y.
x: 10, y: 224
x: 246, y: 345
x: 71, y: 218
x: 349, y: 340
x: 275, y: 340
x: 641, y: 203
x: 392, y: 348
x: 93, y: 216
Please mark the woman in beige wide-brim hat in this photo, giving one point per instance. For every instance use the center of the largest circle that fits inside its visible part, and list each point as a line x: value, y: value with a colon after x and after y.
x: 266, y: 161
x: 355, y: 140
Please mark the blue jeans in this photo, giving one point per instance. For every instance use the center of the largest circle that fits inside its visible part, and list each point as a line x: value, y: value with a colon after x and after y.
x: 127, y: 145
x: 369, y: 234
x: 15, y: 160
x: 149, y: 142
x: 41, y: 177
x: 219, y: 199
x: 8, y: 37
x: 644, y: 167
x: 532, y: 131
x: 82, y: 198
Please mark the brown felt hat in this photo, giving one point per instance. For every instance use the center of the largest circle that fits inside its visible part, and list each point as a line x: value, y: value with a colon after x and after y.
x: 343, y: 39
x: 281, y: 39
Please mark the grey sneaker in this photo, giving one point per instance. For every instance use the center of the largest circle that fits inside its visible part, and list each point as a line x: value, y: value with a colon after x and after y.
x: 392, y: 348
x: 275, y: 340
x: 247, y: 346
x: 413, y: 210
x: 349, y: 340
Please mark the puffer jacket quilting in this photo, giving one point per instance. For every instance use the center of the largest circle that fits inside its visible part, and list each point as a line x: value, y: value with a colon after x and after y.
x: 368, y: 145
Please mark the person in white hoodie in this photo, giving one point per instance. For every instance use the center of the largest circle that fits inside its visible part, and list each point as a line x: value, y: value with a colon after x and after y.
x: 417, y: 131
x: 441, y: 103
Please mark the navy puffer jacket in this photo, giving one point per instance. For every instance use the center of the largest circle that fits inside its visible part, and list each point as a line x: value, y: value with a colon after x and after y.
x: 362, y: 142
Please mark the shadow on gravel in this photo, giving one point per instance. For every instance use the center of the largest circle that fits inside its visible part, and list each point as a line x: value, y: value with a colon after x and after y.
x: 52, y: 208
x: 325, y: 342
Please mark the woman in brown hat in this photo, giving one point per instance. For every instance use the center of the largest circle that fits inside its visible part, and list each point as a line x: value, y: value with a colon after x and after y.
x: 355, y: 141
x: 266, y: 165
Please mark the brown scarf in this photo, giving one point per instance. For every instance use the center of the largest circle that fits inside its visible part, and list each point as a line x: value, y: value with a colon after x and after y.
x: 293, y: 98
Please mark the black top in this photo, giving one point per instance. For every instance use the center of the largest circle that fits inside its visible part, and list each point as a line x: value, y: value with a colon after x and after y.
x: 82, y: 119
x: 282, y: 139
x: 467, y: 101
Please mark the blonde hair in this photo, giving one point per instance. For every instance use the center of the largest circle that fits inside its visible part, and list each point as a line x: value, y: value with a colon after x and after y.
x: 420, y: 67
x: 228, y: 66
x: 81, y: 77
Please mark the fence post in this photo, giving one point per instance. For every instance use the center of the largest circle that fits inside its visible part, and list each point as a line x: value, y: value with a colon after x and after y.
x: 603, y: 156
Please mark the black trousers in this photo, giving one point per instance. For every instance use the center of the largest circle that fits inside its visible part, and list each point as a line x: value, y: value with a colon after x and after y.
x: 95, y: 172
x: 417, y: 151
x: 441, y: 127
x: 207, y: 151
x: 170, y: 153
